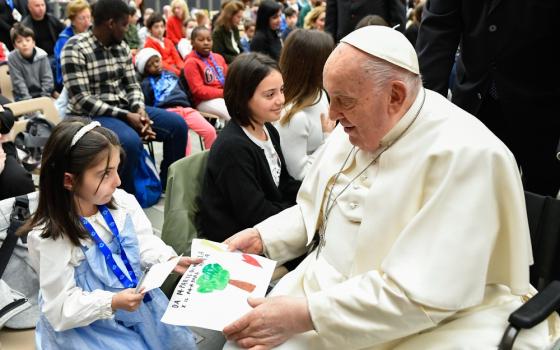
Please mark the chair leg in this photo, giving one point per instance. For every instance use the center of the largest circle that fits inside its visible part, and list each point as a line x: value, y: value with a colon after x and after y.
x: 151, y: 149
x: 201, y: 143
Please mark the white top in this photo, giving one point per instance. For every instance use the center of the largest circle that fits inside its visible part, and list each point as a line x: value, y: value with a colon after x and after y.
x: 233, y: 42
x: 184, y: 47
x: 270, y: 152
x: 302, y: 136
x: 64, y: 304
x: 142, y: 34
x: 438, y: 223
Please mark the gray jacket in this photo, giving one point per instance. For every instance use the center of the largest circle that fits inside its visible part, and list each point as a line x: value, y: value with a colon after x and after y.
x: 30, y: 80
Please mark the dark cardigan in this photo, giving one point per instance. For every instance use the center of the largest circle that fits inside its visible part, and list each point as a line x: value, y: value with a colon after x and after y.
x: 238, y: 190
x: 268, y: 42
x: 221, y: 43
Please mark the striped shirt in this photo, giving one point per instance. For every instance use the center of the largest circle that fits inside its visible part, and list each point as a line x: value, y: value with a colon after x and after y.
x: 100, y: 80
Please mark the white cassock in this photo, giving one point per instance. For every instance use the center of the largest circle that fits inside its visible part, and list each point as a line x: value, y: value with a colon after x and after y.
x: 428, y: 249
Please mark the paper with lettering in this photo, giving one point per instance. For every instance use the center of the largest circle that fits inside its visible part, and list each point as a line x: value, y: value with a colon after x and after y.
x: 214, y: 294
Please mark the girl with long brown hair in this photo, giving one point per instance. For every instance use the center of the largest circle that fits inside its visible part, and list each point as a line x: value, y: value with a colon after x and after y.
x: 304, y: 125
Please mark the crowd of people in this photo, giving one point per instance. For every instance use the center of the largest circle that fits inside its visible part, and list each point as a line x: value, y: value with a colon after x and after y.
x: 379, y: 150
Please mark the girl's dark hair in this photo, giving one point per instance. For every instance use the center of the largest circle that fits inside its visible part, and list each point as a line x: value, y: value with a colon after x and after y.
x: 244, y: 75
x: 302, y: 61
x: 21, y: 30
x: 267, y: 9
x: 57, y: 210
x: 104, y: 10
x: 197, y: 30
x: 154, y: 18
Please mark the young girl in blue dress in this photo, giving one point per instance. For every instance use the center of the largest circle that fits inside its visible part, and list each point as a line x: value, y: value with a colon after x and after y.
x: 89, y: 242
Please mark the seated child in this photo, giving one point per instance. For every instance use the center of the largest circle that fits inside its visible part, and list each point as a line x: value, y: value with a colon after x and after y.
x: 161, y: 89
x: 249, y: 27
x: 30, y: 70
x: 202, y: 18
x: 89, y: 242
x: 291, y: 16
x: 206, y: 72
x: 184, y: 46
x: 170, y: 57
x: 131, y: 36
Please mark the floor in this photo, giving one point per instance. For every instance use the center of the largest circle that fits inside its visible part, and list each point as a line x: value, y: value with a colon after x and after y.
x: 206, y: 339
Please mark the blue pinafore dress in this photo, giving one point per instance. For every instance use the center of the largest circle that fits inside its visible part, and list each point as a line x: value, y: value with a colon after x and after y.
x: 141, y: 329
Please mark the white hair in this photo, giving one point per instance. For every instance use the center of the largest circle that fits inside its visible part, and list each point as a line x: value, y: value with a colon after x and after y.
x: 382, y: 73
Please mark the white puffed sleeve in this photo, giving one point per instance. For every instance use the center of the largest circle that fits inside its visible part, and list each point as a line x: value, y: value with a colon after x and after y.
x: 64, y: 304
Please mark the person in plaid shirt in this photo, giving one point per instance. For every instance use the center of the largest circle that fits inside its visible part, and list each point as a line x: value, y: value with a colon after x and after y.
x: 99, y: 75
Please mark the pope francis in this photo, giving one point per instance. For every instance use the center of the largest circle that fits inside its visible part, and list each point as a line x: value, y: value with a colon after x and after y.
x: 413, y: 215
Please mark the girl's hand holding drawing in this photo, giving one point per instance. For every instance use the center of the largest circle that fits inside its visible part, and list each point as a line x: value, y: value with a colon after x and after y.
x: 184, y: 264
x: 127, y: 300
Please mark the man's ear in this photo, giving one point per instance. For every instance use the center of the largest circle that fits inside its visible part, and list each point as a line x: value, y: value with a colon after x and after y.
x: 69, y: 181
x: 110, y: 23
x: 399, y: 93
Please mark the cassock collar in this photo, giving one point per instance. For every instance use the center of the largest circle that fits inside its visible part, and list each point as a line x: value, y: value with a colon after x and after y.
x: 405, y: 121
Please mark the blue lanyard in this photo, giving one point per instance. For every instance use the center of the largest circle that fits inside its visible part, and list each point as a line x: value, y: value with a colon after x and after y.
x: 214, y: 66
x: 109, y: 260
x: 10, y: 3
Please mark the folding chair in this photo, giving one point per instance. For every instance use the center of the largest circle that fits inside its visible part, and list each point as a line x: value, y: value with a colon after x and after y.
x: 45, y: 105
x: 6, y: 88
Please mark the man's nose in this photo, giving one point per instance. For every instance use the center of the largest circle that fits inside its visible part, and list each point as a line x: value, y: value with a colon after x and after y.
x: 334, y: 113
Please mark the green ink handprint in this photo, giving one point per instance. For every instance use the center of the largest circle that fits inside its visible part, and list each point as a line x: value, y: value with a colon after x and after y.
x: 215, y: 277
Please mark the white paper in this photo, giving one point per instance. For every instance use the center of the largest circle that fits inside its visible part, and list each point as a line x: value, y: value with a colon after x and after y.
x: 201, y: 247
x: 191, y: 305
x: 157, y: 274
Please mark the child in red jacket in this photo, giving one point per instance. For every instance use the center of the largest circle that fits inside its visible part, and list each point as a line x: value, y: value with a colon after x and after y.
x: 169, y: 56
x: 206, y: 72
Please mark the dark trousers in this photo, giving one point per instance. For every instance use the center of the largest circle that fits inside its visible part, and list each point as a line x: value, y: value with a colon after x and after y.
x: 170, y: 129
x: 14, y: 179
x: 532, y: 135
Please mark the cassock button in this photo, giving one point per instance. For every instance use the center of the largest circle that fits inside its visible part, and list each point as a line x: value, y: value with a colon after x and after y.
x: 492, y: 28
x: 355, y: 186
x: 353, y: 205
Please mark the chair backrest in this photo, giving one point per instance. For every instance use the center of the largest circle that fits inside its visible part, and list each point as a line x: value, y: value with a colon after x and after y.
x: 544, y: 224
x: 6, y: 88
x: 184, y: 84
x: 43, y: 104
x: 184, y: 183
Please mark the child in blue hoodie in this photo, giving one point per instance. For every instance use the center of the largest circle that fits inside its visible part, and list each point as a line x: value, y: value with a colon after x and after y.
x: 161, y: 89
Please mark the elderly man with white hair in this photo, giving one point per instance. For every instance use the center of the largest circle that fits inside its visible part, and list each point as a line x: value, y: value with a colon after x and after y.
x: 413, y: 214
